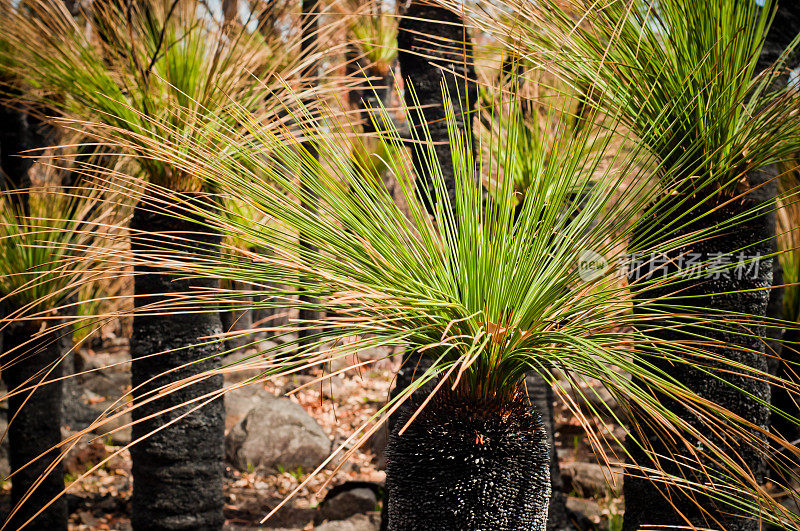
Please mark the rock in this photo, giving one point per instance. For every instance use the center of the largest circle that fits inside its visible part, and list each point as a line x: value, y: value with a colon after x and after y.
x: 277, y: 433
x: 589, y: 508
x: 359, y: 522
x: 590, y: 479
x: 87, y: 518
x: 239, y: 402
x: 347, y: 503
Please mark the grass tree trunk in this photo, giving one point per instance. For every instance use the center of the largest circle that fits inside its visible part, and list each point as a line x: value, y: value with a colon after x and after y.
x: 178, y: 468
x: 464, y: 464
x: 27, y: 355
x: 652, y: 503
x: 783, y: 358
x: 16, y: 136
x: 34, y: 418
x: 308, y: 45
x: 540, y: 394
x: 433, y: 45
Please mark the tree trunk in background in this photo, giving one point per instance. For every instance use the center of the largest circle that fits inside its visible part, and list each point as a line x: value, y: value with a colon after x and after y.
x: 16, y: 136
x: 783, y: 30
x: 645, y: 502
x: 308, y: 46
x: 35, y: 427
x: 177, y: 471
x: 432, y: 42
x: 468, y: 465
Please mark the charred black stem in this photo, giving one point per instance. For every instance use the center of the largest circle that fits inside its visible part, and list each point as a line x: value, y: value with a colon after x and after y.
x: 177, y: 469
x: 433, y: 46
x: 310, y: 27
x: 734, y: 290
x: 35, y: 422
x: 468, y: 465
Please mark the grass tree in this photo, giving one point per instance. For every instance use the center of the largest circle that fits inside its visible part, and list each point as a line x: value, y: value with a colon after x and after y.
x: 47, y: 258
x: 485, y: 295
x: 133, y: 66
x: 682, y: 74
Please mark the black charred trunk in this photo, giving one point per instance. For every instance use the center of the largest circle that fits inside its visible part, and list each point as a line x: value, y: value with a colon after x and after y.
x: 35, y: 423
x: 783, y: 30
x: 467, y: 465
x: 16, y: 136
x: 414, y: 365
x: 178, y: 470
x: 645, y: 501
x: 308, y: 45
x: 433, y: 45
x: 782, y: 357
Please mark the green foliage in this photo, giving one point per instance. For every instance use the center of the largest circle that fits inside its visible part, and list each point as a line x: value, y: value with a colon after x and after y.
x: 375, y: 36
x: 144, y: 67
x: 47, y: 251
x: 681, y: 73
x: 528, y: 111
x: 488, y: 294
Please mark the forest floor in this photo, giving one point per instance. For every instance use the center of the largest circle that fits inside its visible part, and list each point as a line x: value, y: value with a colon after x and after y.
x: 101, y: 499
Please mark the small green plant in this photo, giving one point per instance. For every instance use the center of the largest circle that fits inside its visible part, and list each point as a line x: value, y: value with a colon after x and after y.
x: 297, y: 474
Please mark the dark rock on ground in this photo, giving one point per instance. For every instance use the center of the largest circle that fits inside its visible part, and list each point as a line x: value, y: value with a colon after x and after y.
x: 347, y: 503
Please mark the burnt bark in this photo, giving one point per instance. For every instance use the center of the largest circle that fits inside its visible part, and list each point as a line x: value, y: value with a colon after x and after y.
x: 782, y: 357
x: 434, y: 47
x: 308, y: 45
x: 468, y: 465
x: 16, y: 136
x: 34, y: 416
x: 788, y: 369
x: 177, y: 469
x: 646, y: 502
